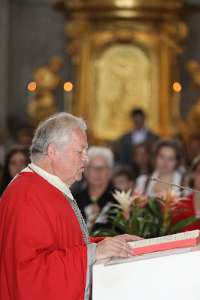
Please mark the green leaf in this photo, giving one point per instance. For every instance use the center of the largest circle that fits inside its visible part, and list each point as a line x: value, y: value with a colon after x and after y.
x: 104, y: 232
x: 155, y: 208
x: 179, y: 226
x: 118, y: 222
x: 134, y: 226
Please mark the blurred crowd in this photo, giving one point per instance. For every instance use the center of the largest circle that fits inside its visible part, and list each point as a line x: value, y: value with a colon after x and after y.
x: 135, y: 161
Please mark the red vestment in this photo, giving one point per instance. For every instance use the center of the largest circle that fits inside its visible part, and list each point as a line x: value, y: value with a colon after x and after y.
x: 42, y: 252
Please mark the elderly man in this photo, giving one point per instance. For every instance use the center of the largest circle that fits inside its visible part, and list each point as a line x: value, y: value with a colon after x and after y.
x: 45, y: 250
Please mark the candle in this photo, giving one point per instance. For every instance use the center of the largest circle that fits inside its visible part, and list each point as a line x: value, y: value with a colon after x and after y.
x: 68, y: 88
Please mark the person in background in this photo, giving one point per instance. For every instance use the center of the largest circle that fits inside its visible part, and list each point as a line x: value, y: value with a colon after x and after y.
x: 167, y: 156
x: 141, y: 163
x: 16, y: 159
x: 193, y: 148
x: 98, y: 191
x: 2, y: 149
x: 24, y: 137
x: 123, y: 179
x: 124, y: 147
x: 195, y: 174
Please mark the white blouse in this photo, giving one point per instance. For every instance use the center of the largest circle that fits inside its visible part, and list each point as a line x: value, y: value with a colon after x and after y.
x: 149, y: 189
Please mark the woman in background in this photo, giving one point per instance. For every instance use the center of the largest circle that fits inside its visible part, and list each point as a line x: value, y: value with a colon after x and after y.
x: 167, y: 157
x: 141, y: 163
x: 16, y: 159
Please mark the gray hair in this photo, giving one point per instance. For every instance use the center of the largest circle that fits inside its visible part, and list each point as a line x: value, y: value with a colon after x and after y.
x: 104, y: 152
x: 56, y: 129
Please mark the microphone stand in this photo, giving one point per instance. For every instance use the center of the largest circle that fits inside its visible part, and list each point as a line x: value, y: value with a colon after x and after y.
x: 175, y: 185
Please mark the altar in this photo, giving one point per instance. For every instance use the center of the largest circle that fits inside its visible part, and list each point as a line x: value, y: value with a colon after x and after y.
x: 123, y: 61
x: 170, y: 275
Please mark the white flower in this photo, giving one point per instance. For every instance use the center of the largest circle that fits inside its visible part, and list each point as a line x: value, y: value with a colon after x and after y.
x: 125, y: 199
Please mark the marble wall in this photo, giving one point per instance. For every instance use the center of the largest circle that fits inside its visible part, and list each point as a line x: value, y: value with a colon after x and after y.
x: 33, y: 34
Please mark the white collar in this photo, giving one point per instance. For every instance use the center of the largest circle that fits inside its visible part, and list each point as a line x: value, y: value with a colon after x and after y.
x: 52, y: 179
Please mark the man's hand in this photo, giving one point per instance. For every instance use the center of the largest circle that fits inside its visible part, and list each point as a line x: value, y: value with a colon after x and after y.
x: 115, y: 247
x: 128, y: 237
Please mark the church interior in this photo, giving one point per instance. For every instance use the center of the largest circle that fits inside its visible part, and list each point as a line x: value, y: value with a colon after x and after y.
x: 131, y: 70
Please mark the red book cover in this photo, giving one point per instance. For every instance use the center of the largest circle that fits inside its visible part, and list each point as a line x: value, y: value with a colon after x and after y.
x: 179, y: 240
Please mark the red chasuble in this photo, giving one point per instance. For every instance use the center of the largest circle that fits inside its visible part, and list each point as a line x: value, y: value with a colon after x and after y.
x: 42, y: 252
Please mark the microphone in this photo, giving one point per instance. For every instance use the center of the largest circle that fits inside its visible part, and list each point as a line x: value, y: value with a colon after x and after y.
x: 175, y: 185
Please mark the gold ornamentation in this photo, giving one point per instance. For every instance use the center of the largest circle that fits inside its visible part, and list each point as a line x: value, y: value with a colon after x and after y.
x: 191, y: 125
x: 125, y: 54
x: 43, y: 102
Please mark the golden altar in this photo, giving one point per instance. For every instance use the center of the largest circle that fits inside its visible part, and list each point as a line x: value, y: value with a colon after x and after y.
x: 125, y: 54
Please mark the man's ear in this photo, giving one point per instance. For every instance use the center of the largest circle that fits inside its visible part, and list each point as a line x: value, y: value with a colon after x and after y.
x: 51, y: 151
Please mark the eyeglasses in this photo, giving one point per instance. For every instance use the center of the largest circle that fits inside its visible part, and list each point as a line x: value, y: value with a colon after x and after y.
x: 167, y: 158
x: 98, y: 168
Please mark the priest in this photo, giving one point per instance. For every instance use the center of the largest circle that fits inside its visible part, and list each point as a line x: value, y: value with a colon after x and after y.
x: 45, y: 250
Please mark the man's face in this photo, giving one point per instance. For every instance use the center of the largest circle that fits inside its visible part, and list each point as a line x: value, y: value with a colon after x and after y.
x: 68, y: 163
x: 138, y: 121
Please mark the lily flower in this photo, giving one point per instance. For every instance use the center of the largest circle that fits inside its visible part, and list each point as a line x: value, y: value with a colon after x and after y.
x: 125, y: 200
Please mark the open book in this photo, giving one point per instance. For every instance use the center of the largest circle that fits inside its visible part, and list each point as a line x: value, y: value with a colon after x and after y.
x: 179, y: 240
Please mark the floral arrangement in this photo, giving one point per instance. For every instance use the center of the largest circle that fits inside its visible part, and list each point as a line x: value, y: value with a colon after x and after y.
x: 144, y: 216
